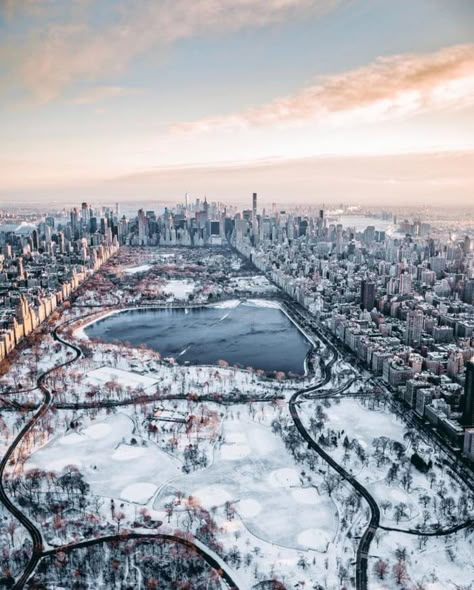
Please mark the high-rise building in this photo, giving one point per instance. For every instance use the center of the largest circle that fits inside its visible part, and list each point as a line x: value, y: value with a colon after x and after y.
x: 34, y: 239
x: 254, y: 205
x: 142, y: 228
x: 369, y: 234
x: 414, y: 327
x: 469, y: 443
x: 468, y: 403
x: 74, y: 223
x: 367, y: 295
x: 468, y: 291
x: 467, y: 244
x: 405, y: 283
x: 85, y: 215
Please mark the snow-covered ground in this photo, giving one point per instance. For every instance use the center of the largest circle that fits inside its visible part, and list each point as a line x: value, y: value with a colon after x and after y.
x: 179, y: 289
x: 136, y: 269
x: 378, y: 451
x: 275, y: 506
x: 104, y: 375
x: 436, y: 563
x: 112, y: 465
x: 253, y: 284
x: 252, y: 467
x: 229, y: 304
x: 263, y: 303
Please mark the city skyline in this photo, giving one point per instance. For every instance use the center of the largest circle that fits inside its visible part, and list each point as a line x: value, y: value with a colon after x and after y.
x: 305, y: 100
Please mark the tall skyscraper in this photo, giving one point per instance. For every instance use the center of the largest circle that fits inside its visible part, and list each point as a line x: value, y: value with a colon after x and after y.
x: 85, y: 215
x: 467, y: 244
x: 367, y: 295
x: 74, y: 223
x: 142, y: 228
x: 405, y: 283
x: 254, y: 205
x: 468, y: 404
x: 414, y: 327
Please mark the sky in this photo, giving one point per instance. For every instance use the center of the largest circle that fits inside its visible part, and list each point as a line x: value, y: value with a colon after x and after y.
x: 361, y: 101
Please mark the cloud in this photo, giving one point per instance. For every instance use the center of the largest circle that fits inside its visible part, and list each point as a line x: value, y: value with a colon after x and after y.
x: 100, y: 93
x: 10, y: 7
x: 58, y: 54
x: 389, y: 87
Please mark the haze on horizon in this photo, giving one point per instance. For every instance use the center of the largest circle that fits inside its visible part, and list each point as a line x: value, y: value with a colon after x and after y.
x: 327, y: 100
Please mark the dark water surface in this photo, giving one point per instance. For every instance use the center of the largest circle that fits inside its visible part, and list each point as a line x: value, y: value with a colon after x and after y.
x: 260, y: 337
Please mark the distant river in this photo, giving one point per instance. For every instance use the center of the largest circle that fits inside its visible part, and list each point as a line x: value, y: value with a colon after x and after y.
x: 360, y: 222
x: 247, y: 335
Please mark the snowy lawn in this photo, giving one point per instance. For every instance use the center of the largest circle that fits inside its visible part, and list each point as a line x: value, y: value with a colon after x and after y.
x: 372, y: 442
x: 136, y: 269
x: 110, y: 463
x: 179, y: 289
x: 252, y: 467
x: 443, y: 563
x: 104, y: 375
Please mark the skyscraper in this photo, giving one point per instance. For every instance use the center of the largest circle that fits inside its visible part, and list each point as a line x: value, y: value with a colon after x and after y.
x: 467, y: 244
x: 85, y: 215
x: 405, y: 283
x: 414, y: 327
x: 468, y: 291
x: 74, y: 223
x: 142, y: 228
x: 468, y: 404
x: 254, y: 205
x: 367, y: 295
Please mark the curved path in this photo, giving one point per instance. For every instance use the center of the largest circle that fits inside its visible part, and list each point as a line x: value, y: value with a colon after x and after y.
x: 32, y: 529
x: 374, y: 521
x: 436, y: 533
x: 158, y: 397
x: 209, y: 557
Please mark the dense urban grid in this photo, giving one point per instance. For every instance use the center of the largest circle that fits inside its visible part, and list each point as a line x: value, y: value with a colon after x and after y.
x: 336, y: 452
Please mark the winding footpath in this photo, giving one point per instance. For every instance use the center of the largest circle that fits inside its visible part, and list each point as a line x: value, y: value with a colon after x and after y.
x: 374, y: 521
x: 33, y: 530
x: 211, y: 558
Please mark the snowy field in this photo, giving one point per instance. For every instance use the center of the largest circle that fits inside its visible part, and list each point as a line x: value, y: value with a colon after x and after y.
x: 253, y: 472
x: 232, y: 303
x: 443, y: 563
x: 103, y: 375
x: 136, y: 269
x: 277, y: 510
x: 378, y: 451
x: 179, y: 289
x: 110, y: 463
x: 281, y: 513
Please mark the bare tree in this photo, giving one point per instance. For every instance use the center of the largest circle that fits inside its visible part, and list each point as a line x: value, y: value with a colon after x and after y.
x: 381, y: 568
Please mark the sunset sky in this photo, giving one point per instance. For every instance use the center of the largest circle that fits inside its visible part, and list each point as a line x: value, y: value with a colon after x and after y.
x: 300, y: 100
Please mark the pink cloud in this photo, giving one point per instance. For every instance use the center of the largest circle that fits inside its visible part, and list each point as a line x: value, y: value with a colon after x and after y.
x: 390, y: 86
x: 52, y: 58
